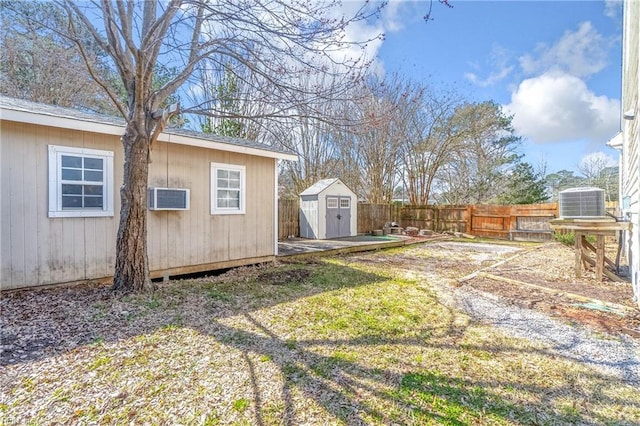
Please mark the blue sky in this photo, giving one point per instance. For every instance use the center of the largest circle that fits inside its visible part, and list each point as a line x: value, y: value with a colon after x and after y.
x: 554, y: 65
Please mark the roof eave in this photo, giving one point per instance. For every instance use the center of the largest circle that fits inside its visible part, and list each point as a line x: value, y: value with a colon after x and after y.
x: 73, y: 123
x: 221, y: 146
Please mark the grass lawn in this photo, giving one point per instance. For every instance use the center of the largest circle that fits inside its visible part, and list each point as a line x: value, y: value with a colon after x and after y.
x: 335, y: 341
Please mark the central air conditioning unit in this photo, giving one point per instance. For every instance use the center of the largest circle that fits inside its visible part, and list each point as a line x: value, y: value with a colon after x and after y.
x: 582, y: 203
x: 168, y: 199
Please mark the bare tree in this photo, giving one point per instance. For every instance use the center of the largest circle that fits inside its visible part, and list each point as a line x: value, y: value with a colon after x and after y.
x: 431, y: 141
x: 600, y: 170
x: 371, y: 151
x: 275, y: 40
x: 592, y: 165
x: 312, y: 133
x: 315, y: 128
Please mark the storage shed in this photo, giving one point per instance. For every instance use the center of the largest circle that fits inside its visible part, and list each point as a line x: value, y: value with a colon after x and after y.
x: 328, y: 209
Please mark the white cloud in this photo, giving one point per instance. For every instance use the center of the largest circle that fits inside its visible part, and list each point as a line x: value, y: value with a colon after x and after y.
x: 494, y: 77
x: 392, y: 17
x: 556, y: 106
x: 612, y: 8
x: 359, y: 41
x: 499, y: 59
x: 581, y: 53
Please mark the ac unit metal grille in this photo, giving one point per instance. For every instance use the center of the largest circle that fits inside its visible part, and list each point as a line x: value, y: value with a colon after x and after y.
x: 582, y: 203
x: 168, y: 199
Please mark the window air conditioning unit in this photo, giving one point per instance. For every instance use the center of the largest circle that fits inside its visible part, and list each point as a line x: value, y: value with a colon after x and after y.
x: 582, y: 203
x: 168, y: 199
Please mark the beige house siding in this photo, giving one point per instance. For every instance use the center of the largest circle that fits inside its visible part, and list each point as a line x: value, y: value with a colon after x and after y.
x: 38, y: 250
x: 196, y: 237
x: 630, y: 158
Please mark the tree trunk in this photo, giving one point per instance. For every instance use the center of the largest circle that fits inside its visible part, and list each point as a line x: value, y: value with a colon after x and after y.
x: 132, y: 263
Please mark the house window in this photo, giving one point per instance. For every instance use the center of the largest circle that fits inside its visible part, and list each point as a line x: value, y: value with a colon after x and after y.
x: 227, y: 189
x: 80, y: 182
x: 332, y: 203
x: 344, y: 203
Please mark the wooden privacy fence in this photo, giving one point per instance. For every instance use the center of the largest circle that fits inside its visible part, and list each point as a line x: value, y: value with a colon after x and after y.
x: 518, y: 222
x: 373, y: 216
x: 513, y: 222
x: 436, y: 218
x: 288, y: 219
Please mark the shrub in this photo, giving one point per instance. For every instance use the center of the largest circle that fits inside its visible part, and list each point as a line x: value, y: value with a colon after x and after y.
x: 569, y: 238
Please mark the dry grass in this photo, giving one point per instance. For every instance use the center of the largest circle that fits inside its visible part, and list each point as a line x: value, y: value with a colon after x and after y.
x: 339, y: 341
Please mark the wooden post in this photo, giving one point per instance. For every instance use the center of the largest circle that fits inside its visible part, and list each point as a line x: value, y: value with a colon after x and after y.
x: 468, y: 228
x: 578, y: 254
x: 599, y: 257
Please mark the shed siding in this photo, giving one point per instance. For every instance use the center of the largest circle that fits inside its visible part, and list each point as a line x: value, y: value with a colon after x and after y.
x: 321, y: 216
x: 38, y: 250
x: 309, y: 216
x: 313, y: 208
x: 337, y: 188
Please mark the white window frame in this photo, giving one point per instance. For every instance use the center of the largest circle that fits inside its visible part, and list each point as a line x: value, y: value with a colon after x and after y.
x: 55, y: 182
x: 346, y: 204
x: 331, y: 204
x: 215, y: 210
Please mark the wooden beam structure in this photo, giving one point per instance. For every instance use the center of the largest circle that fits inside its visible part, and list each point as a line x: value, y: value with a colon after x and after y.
x: 600, y: 228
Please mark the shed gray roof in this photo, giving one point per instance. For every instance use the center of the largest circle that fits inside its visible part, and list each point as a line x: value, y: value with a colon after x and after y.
x: 319, y: 186
x: 91, y: 117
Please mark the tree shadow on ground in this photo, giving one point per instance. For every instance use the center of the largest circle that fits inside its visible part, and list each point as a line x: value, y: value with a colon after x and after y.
x: 356, y: 394
x: 38, y: 323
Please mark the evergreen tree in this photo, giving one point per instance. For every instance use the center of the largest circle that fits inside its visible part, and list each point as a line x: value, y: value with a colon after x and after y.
x: 524, y: 186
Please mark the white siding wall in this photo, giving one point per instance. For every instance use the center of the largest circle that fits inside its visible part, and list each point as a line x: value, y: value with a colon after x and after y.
x: 195, y: 237
x: 309, y: 217
x: 630, y: 160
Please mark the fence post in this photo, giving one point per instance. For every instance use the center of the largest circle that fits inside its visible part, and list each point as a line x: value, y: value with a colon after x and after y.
x: 513, y: 221
x: 469, y: 225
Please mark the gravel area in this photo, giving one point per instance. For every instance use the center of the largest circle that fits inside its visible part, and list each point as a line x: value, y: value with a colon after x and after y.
x: 613, y: 354
x: 619, y: 357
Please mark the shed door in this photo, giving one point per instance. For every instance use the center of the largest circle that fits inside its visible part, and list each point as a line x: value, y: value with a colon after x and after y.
x: 338, y: 216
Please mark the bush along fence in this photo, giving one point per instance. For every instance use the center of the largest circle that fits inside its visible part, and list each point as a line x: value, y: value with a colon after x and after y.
x: 525, y: 222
